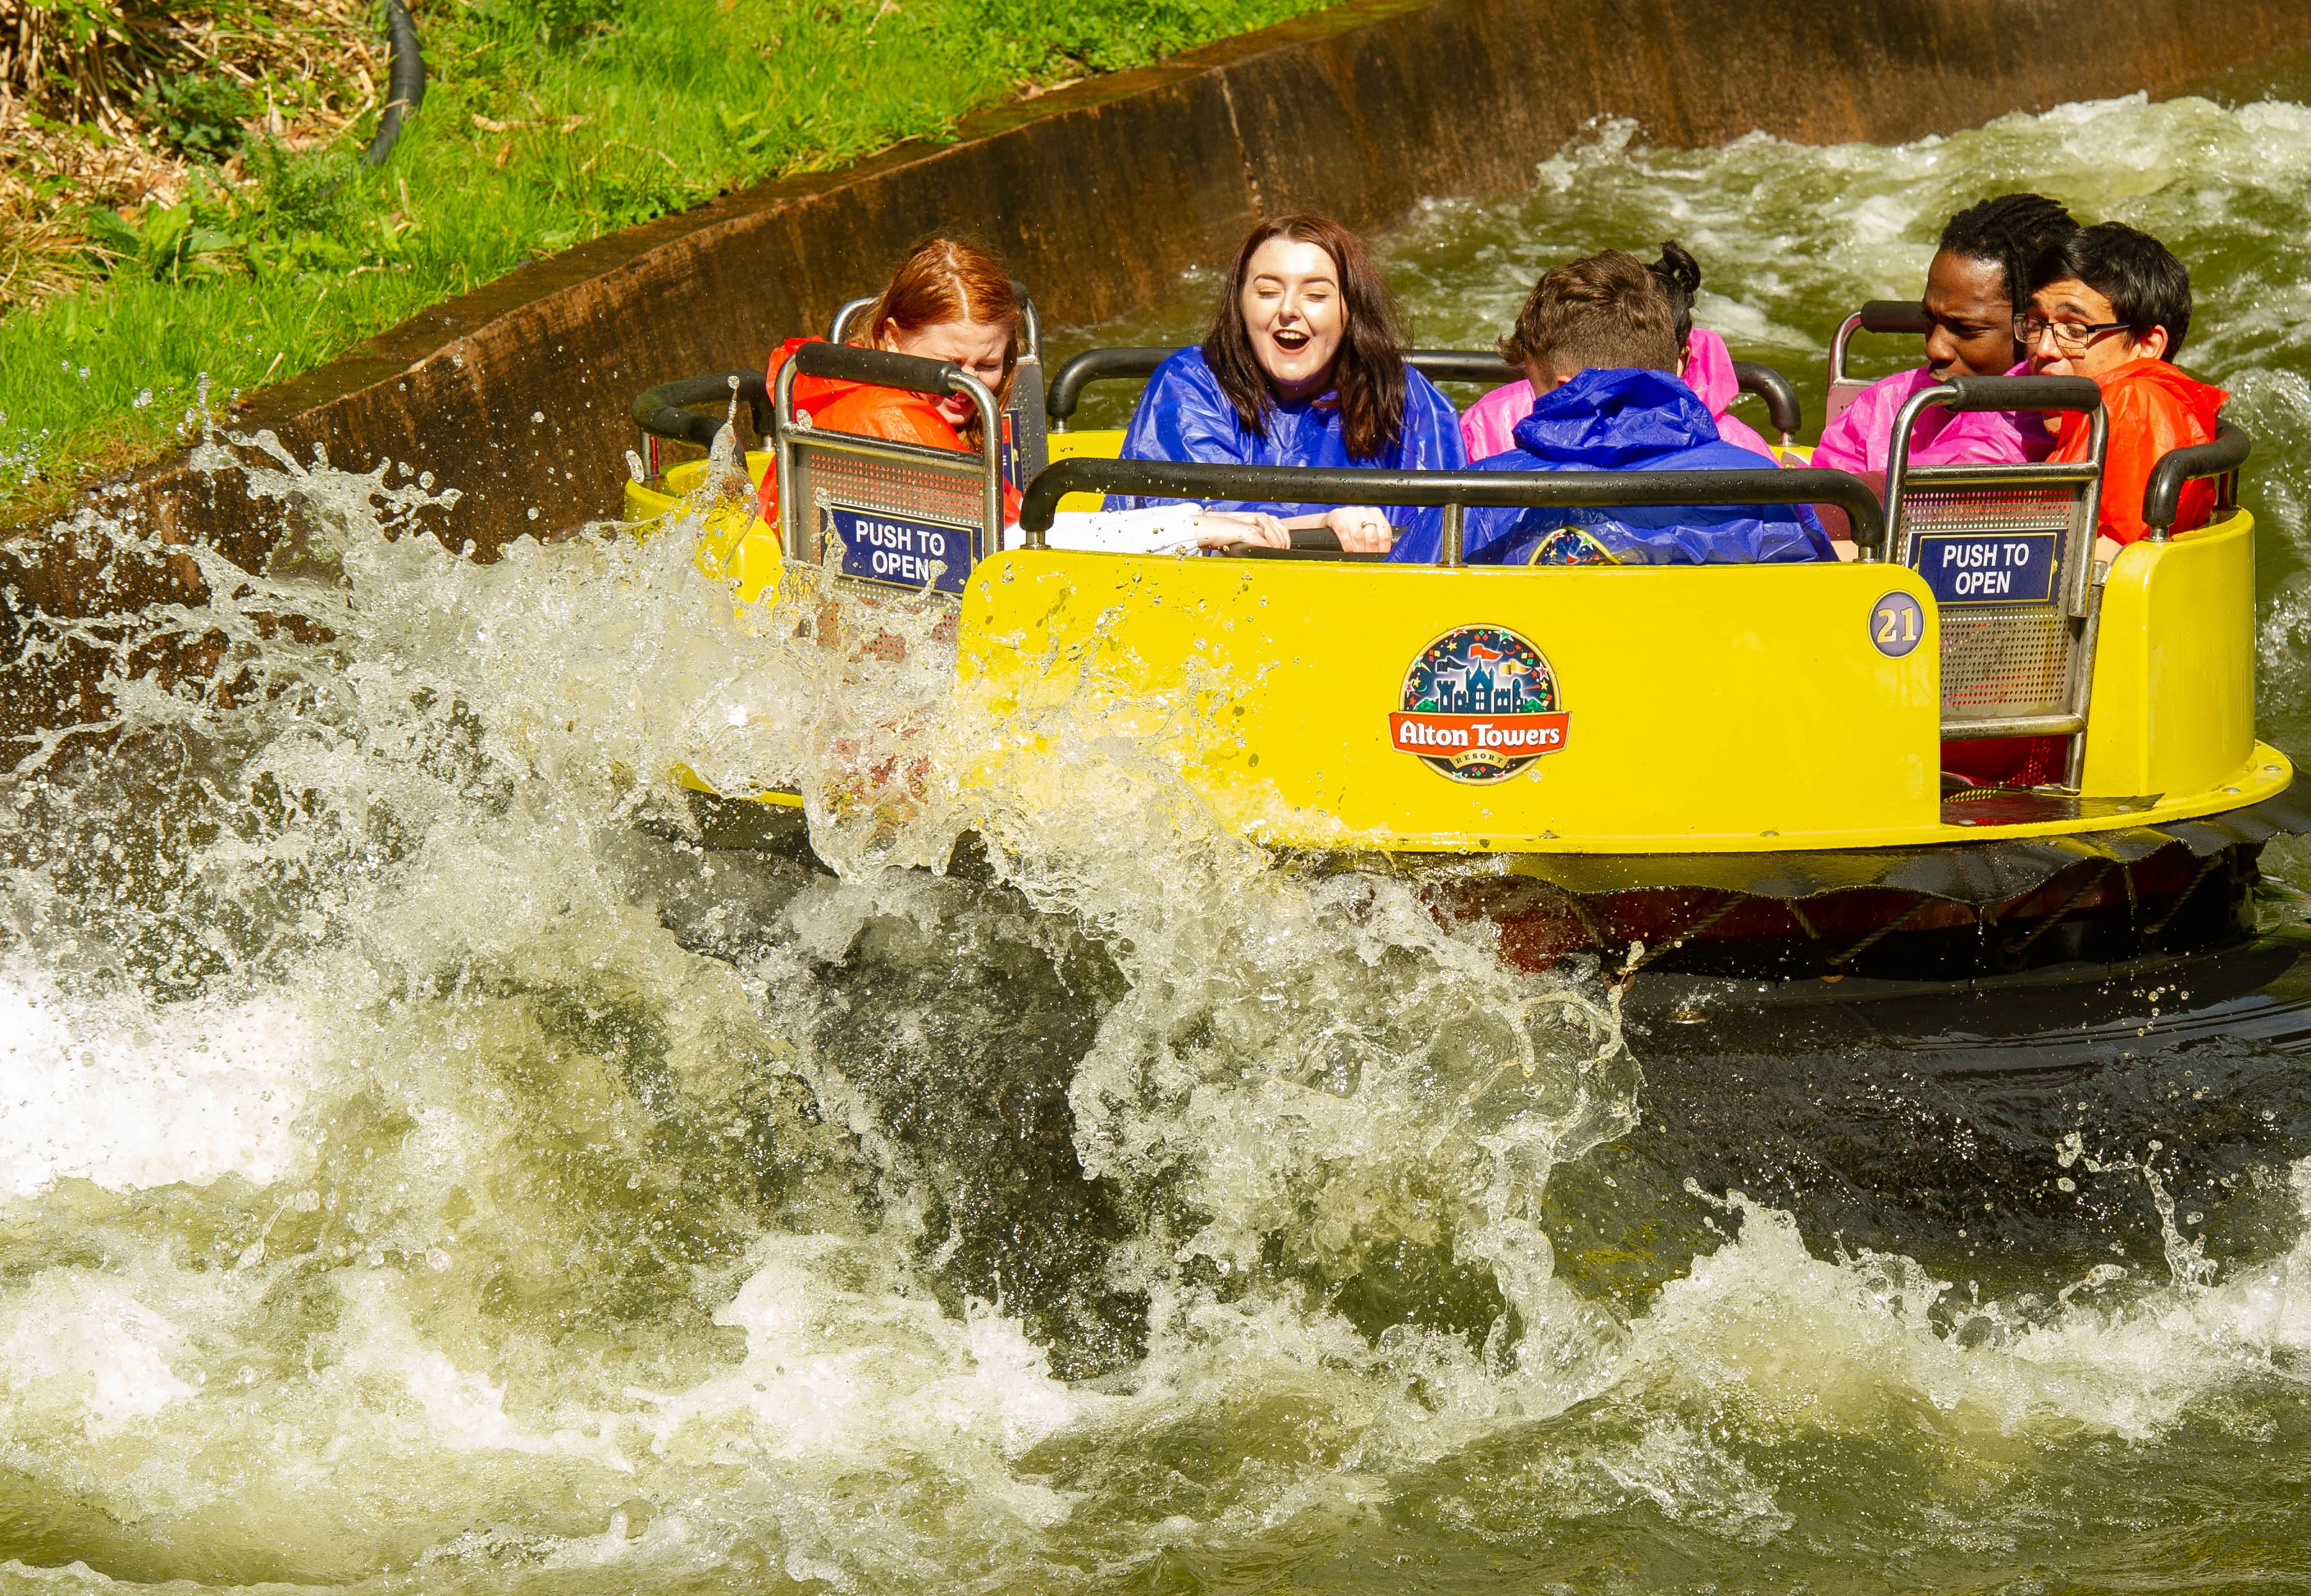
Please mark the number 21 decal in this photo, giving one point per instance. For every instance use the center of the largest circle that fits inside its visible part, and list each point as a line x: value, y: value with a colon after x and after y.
x: 1896, y: 624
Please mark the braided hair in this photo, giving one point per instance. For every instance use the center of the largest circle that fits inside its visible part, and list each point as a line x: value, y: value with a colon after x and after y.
x: 2010, y: 232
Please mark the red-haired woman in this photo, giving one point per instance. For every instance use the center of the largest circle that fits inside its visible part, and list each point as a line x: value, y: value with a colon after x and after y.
x: 1304, y: 366
x: 946, y: 301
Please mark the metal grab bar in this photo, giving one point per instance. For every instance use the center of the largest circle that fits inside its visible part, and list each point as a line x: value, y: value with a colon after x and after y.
x: 1129, y: 360
x: 1549, y: 489
x: 882, y: 369
x: 2023, y: 393
x: 1030, y: 325
x: 1878, y: 315
x: 1463, y: 365
x: 2006, y: 393
x: 2162, y: 496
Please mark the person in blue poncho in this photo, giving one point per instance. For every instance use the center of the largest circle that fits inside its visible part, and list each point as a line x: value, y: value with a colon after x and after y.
x: 1598, y: 341
x: 1304, y: 366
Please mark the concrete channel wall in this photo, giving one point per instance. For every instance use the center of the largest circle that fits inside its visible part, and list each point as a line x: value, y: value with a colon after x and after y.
x: 1099, y: 196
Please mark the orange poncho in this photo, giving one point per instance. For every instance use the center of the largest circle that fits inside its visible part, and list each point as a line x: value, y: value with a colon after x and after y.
x: 871, y: 412
x: 2153, y: 408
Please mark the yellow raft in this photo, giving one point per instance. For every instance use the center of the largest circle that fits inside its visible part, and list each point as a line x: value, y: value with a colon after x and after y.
x: 1746, y: 760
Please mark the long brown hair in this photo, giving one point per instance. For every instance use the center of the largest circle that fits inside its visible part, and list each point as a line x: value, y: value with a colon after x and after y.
x: 944, y: 279
x: 1368, y: 372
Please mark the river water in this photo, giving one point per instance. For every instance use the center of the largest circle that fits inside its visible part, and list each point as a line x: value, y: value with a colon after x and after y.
x: 426, y: 1164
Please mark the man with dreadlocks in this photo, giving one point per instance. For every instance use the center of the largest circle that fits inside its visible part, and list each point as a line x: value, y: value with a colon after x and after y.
x: 1978, y: 283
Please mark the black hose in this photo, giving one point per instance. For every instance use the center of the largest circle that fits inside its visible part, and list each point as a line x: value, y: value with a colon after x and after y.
x: 405, y: 81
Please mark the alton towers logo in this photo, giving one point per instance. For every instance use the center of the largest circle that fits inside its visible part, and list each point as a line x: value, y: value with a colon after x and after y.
x: 1479, y: 704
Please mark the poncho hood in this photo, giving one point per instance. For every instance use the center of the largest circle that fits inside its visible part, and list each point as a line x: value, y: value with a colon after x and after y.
x: 1616, y: 419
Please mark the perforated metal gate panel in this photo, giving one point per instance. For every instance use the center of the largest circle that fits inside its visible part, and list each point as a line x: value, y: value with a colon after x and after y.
x: 1999, y: 661
x: 858, y: 487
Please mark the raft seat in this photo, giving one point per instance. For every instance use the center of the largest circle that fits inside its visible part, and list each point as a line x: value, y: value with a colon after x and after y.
x: 2008, y: 553
x: 893, y: 514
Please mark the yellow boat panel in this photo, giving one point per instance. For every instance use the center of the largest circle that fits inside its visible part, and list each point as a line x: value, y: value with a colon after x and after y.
x: 1716, y: 709
x: 2173, y: 710
x: 776, y: 797
x: 740, y: 548
x: 1722, y: 707
x: 744, y: 549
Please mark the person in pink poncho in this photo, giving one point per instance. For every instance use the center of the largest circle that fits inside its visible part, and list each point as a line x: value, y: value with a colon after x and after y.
x: 1706, y: 365
x: 1978, y: 281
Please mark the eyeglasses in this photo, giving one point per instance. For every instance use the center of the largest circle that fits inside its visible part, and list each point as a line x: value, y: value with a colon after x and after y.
x: 2072, y: 336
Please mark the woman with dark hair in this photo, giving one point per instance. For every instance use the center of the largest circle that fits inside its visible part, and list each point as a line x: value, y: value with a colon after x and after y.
x: 1304, y: 366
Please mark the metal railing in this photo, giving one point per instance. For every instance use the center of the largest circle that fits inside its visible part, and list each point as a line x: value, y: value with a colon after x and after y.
x: 1879, y: 315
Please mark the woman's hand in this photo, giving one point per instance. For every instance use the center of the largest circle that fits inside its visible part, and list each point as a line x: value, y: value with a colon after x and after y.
x: 1217, y: 528
x: 1361, y: 529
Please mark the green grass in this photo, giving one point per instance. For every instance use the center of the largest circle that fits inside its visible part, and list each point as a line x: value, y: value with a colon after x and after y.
x: 681, y: 99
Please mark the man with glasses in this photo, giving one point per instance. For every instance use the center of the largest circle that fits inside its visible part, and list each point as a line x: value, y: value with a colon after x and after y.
x: 2111, y: 304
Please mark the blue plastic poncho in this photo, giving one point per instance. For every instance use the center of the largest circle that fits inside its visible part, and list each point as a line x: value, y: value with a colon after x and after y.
x: 1630, y: 420
x: 1184, y: 414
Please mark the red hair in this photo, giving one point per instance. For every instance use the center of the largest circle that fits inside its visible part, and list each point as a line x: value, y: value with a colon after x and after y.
x: 948, y: 280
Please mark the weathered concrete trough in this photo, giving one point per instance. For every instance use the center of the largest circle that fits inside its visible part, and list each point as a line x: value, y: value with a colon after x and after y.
x: 1099, y: 196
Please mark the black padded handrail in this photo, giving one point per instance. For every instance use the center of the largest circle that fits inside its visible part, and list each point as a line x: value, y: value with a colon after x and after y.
x: 1100, y: 365
x: 1780, y: 394
x: 663, y: 410
x: 1554, y: 490
x: 2163, y: 496
x: 880, y: 367
x: 1896, y: 316
x: 2024, y: 393
x: 1438, y: 365
x: 1463, y: 365
x: 1108, y: 365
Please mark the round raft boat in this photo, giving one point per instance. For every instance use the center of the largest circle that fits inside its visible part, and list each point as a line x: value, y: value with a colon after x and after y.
x: 1729, y: 770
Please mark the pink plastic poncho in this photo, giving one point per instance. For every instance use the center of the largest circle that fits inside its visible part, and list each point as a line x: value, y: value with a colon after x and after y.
x: 1709, y: 373
x: 1860, y: 439
x: 1488, y: 425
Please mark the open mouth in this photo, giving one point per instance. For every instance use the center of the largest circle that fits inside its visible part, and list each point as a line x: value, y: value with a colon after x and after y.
x: 1290, y: 340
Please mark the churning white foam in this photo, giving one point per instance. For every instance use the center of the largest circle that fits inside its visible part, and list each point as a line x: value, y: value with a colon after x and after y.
x: 130, y: 1097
